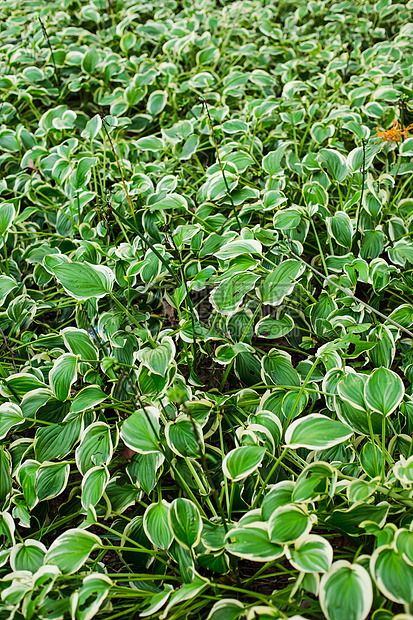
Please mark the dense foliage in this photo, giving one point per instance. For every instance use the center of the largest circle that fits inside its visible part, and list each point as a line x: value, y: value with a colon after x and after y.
x: 206, y: 318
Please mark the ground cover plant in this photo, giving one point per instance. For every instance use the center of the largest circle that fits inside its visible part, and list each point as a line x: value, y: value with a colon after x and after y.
x: 206, y: 321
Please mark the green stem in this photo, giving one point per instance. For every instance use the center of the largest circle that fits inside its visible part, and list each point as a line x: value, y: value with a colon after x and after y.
x: 319, y: 247
x: 128, y: 314
x: 383, y: 449
x: 228, y: 368
x: 273, y: 469
x: 221, y: 438
x: 6, y: 259
x: 370, y: 424
x: 300, y: 393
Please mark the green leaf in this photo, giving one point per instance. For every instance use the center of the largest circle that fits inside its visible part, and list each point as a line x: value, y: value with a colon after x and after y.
x: 96, y: 447
x: 156, y: 525
x: 311, y: 554
x: 10, y: 416
x: 227, y: 297
x: 404, y: 544
x: 55, y: 441
x: 140, y: 431
x: 93, y: 126
x: 89, y: 598
x: 134, y: 530
x: 320, y: 132
x: 185, y: 522
x: 71, y: 549
x: 273, y: 328
x: 239, y: 247
x: 150, y: 143
x: 6, y: 285
x: 393, y: 576
x: 52, y: 479
x: 226, y: 609
x: 82, y: 280
x: 280, y: 282
x: 158, y: 359
x: 336, y: 164
x: 279, y: 495
x: 190, y: 147
x: 225, y: 353
x: 316, y: 432
x: 351, y: 390
x: 349, y: 520
x: 63, y: 375
x: 406, y: 148
x: 184, y: 437
x: 189, y: 591
x: 157, y: 102
x: 142, y: 470
x: 171, y: 201
x: 87, y: 398
x: 28, y: 555
x: 340, y: 228
x: 241, y: 462
x: 384, y: 391
x: 157, y: 601
x: 90, y: 60
x: 93, y: 485
x: 253, y: 543
x: 403, y: 470
x: 7, y: 215
x: 5, y: 476
x: 346, y: 592
x: 287, y: 219
x: 271, y: 162
x: 79, y: 343
x: 277, y: 369
x: 216, y: 186
x: 288, y: 523
x: 82, y: 173
x: 235, y: 126
x: 26, y: 476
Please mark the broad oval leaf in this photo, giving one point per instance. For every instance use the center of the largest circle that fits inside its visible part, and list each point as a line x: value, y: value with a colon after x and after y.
x: 288, y: 523
x: 184, y: 437
x: 83, y: 280
x: 274, y: 328
x: 87, y: 398
x: 316, y: 432
x: 185, y: 522
x: 311, y: 554
x: 280, y: 282
x: 71, y: 549
x: 93, y: 485
x: 7, y: 215
x: 392, y: 574
x: 157, y: 102
x: 253, y: 543
x: 91, y: 595
x: 63, y: 375
x: 156, y: 525
x: 51, y: 480
x: 96, y: 447
x: 346, y: 592
x: 158, y: 359
x: 239, y: 247
x: 242, y: 461
x: 28, y: 555
x: 6, y: 285
x: 140, y: 431
x: 10, y: 416
x: 384, y: 391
